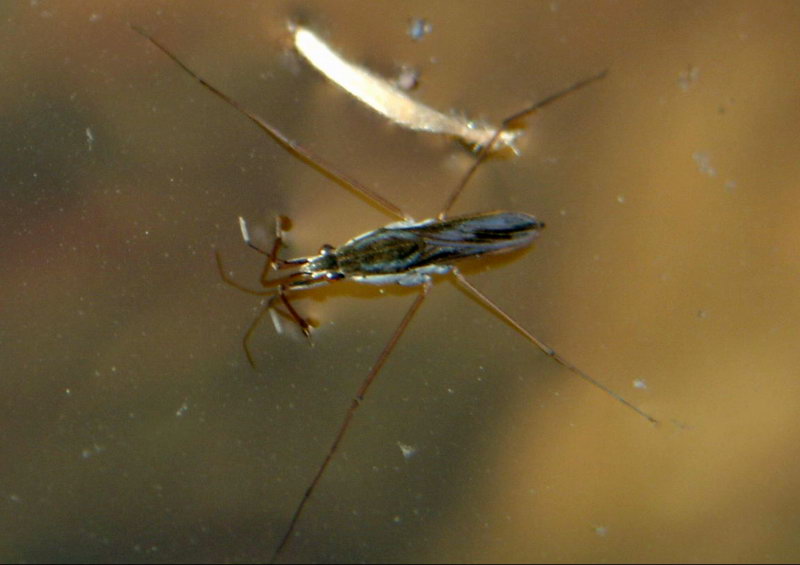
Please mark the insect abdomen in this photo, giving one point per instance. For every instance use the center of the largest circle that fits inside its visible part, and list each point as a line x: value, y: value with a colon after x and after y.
x: 490, y: 229
x: 400, y: 248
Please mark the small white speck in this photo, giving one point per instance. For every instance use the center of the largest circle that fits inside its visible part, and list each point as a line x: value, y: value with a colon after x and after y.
x: 621, y: 198
x: 95, y: 17
x: 408, y: 450
x: 687, y: 78
x: 641, y: 384
x: 704, y: 163
x: 408, y: 78
x: 89, y: 138
x: 182, y: 410
x: 88, y: 452
x: 601, y: 531
x: 419, y: 28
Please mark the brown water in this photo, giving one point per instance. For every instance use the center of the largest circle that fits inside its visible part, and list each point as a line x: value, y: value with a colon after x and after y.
x: 132, y: 427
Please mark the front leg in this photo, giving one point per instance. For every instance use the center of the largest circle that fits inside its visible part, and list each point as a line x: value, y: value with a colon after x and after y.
x: 273, y: 262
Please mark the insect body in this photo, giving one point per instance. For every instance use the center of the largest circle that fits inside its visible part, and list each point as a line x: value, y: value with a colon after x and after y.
x: 407, y: 253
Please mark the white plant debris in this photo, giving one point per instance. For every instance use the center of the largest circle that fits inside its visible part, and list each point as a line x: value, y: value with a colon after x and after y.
x: 387, y: 99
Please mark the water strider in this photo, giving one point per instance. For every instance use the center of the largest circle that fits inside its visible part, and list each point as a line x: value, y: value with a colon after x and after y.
x: 405, y: 252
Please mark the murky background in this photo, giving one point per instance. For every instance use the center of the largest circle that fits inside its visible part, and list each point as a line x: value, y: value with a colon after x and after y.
x: 132, y: 427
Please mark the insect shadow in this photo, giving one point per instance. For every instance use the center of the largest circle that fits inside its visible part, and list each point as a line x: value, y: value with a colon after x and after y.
x: 405, y: 252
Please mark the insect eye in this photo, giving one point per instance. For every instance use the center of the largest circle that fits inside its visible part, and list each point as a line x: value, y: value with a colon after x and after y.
x: 334, y: 276
x: 326, y: 249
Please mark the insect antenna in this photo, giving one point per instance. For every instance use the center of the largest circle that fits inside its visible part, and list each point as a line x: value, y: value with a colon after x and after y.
x: 302, y: 153
x: 486, y: 149
x: 549, y: 351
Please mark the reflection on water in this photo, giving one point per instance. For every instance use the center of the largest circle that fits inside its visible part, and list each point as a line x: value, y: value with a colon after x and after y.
x: 134, y: 429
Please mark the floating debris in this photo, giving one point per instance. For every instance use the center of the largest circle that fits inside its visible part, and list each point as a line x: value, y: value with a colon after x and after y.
x: 391, y: 101
x: 419, y: 28
x: 704, y: 164
x: 688, y: 77
x: 408, y: 78
x: 182, y: 409
x: 408, y: 450
x: 89, y: 452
